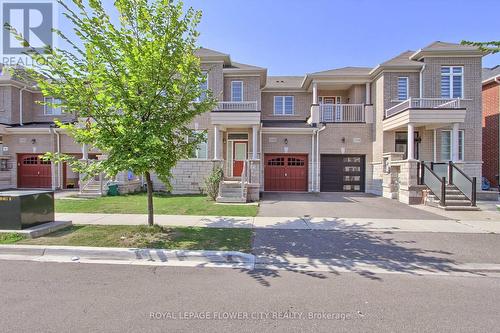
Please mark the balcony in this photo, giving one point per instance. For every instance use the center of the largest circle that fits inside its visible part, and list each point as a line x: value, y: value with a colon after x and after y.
x: 236, y: 114
x: 342, y: 113
x: 237, y: 106
x: 423, y: 103
x: 428, y: 112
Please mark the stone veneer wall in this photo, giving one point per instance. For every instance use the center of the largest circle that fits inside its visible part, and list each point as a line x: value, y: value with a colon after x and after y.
x: 188, y: 177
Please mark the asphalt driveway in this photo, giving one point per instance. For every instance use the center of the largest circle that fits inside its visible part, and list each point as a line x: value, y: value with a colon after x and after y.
x: 346, y: 205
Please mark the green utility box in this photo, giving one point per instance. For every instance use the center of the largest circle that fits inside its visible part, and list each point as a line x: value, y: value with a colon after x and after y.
x: 113, y: 190
x: 25, y: 209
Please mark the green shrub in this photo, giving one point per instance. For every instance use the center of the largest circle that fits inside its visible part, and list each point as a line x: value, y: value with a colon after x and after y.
x: 10, y: 238
x: 212, y: 183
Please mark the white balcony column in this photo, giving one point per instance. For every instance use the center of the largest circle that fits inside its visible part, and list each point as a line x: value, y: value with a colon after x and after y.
x: 216, y: 142
x: 315, y: 92
x: 85, y: 152
x: 255, y: 131
x: 411, y: 141
x: 368, y: 92
x: 455, y: 143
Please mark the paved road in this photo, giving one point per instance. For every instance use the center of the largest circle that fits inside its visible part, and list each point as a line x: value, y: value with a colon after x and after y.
x: 46, y: 297
x: 346, y: 205
x: 402, y: 249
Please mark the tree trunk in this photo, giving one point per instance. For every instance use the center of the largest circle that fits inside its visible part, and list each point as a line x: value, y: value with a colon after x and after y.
x: 149, y: 183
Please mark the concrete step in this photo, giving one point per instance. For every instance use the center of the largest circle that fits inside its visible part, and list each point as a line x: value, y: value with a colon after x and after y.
x: 456, y: 197
x: 457, y: 202
x: 461, y: 208
x: 231, y: 200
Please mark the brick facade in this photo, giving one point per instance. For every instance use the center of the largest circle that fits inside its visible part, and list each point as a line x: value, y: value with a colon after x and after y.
x: 491, y: 126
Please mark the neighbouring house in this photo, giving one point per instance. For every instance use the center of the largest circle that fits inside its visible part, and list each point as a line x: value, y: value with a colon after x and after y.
x: 350, y: 129
x: 491, y: 124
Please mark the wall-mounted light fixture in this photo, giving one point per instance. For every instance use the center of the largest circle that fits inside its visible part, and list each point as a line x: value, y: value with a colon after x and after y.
x: 224, y: 140
x: 343, y: 139
x: 33, y: 141
x: 286, y: 141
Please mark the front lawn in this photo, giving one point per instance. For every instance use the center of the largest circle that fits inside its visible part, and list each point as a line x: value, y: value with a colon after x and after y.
x: 157, y: 237
x: 164, y: 204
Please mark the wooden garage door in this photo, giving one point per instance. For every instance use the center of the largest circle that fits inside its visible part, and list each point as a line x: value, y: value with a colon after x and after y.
x: 342, y: 173
x: 33, y: 172
x: 285, y: 172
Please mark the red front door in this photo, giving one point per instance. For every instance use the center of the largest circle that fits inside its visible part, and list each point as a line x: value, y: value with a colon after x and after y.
x: 33, y: 172
x: 239, y: 155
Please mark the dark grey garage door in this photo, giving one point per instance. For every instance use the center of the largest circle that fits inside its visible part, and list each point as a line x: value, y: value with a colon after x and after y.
x: 342, y: 173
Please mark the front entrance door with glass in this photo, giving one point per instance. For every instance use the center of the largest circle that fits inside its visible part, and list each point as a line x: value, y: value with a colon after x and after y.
x: 240, y: 153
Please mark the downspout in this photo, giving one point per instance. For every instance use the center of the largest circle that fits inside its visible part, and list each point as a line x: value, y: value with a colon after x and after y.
x: 421, y: 83
x: 313, y: 175
x: 317, y: 157
x: 21, y: 106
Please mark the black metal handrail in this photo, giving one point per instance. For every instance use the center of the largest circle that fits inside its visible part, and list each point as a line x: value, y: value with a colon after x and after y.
x: 442, y: 181
x: 472, y: 180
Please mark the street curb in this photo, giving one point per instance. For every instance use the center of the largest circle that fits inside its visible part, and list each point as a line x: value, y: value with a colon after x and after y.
x: 40, y: 230
x: 123, y: 255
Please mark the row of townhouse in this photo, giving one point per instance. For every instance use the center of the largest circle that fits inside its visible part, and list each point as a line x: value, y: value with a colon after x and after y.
x: 348, y: 129
x: 491, y: 124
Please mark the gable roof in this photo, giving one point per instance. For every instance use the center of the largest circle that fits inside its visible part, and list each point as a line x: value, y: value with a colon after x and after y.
x: 239, y: 66
x: 212, y: 55
x: 443, y: 48
x: 489, y: 74
x: 350, y: 70
x: 284, y: 82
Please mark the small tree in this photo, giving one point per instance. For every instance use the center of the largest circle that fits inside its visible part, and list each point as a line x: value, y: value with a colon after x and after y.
x: 490, y: 47
x: 212, y: 183
x: 133, y: 83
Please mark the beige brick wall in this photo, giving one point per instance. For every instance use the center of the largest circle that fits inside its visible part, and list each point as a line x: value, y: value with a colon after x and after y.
x: 251, y: 88
x: 302, y: 110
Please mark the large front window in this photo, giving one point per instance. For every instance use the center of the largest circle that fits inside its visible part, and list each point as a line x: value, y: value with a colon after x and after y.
x: 447, y: 142
x: 201, y: 152
x: 203, y: 88
x: 283, y: 105
x: 452, y: 81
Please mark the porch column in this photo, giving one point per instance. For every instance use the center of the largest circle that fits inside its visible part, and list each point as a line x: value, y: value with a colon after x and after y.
x: 255, y: 130
x: 368, y: 96
x: 454, y: 143
x: 85, y: 152
x: 216, y: 142
x: 411, y: 141
x: 315, y: 93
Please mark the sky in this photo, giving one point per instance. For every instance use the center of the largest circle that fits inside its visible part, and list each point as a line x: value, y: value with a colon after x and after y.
x: 295, y: 37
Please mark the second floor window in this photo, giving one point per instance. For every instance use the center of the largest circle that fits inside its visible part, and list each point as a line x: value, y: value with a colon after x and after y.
x: 283, y: 105
x: 51, y: 107
x: 237, y: 91
x: 402, y: 88
x: 204, y: 88
x: 452, y: 82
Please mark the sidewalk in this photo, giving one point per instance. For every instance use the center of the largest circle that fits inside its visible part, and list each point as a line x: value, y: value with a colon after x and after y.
x: 392, y: 225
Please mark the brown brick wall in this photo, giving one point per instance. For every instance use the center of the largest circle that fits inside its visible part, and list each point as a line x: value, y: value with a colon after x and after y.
x: 491, y: 114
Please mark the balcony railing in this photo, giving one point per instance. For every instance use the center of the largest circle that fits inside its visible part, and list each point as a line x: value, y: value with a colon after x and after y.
x: 423, y: 103
x: 342, y: 113
x: 237, y: 106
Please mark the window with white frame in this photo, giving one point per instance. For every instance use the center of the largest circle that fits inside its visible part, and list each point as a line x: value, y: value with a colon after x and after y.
x: 203, y: 87
x: 452, y: 81
x: 284, y: 105
x: 447, y: 142
x: 52, y: 106
x: 403, y: 88
x: 201, y: 152
x: 237, y: 91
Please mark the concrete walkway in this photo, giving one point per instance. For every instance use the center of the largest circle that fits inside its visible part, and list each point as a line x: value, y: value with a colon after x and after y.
x: 300, y: 223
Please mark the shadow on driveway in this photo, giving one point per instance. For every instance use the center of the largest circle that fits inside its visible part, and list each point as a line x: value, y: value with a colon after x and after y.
x: 343, y: 205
